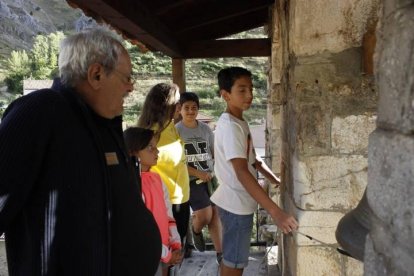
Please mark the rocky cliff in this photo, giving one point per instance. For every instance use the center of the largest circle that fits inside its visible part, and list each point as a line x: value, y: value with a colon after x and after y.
x: 22, y: 20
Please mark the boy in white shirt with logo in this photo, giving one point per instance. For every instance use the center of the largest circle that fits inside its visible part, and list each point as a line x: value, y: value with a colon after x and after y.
x: 235, y: 167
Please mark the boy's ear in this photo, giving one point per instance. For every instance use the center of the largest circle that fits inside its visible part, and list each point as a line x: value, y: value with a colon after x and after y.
x: 224, y: 94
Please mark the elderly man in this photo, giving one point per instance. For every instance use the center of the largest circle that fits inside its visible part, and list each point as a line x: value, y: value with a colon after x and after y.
x: 70, y: 202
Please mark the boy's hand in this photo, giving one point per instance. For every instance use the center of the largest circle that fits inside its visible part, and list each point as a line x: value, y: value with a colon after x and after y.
x: 285, y: 222
x: 205, y: 176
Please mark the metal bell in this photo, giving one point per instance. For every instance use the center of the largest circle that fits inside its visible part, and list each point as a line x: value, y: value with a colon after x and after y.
x: 353, y: 228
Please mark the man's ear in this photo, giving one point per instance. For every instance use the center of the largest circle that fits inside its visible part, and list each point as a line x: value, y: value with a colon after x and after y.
x: 95, y: 72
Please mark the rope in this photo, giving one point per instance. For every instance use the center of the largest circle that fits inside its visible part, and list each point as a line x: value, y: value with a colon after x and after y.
x: 339, y: 250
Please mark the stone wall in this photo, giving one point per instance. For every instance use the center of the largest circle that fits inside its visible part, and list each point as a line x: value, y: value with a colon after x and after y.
x: 323, y: 103
x: 389, y: 248
x: 3, y: 259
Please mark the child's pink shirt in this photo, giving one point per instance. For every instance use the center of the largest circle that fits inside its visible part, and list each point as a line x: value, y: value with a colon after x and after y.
x: 156, y: 198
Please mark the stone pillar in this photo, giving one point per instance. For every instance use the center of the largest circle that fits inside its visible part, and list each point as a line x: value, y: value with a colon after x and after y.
x: 389, y: 249
x: 274, y: 103
x: 326, y: 102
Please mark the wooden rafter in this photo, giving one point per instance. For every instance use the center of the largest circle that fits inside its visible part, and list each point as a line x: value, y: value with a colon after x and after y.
x: 226, y: 27
x: 215, y: 12
x: 229, y: 48
x: 134, y: 19
x: 185, y: 28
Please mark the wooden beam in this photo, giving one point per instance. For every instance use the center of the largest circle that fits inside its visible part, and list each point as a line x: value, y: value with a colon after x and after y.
x: 171, y: 7
x: 134, y: 20
x: 229, y: 48
x: 178, y: 73
x: 205, y: 14
x: 226, y: 27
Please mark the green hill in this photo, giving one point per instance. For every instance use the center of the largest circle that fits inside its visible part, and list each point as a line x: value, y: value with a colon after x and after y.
x: 23, y: 20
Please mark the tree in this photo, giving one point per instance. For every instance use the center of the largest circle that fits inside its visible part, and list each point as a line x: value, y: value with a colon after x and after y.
x: 5, y: 101
x: 40, y: 63
x: 18, y: 68
x: 44, y: 55
x: 54, y: 42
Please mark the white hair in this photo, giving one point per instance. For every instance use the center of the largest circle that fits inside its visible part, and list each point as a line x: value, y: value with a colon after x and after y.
x: 79, y: 51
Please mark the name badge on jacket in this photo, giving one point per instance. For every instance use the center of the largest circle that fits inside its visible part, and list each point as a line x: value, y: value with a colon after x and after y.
x: 111, y: 158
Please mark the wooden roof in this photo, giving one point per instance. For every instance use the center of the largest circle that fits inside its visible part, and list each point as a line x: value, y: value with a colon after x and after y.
x: 185, y: 28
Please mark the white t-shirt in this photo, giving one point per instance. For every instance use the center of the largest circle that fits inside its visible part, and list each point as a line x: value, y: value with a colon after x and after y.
x: 232, y: 139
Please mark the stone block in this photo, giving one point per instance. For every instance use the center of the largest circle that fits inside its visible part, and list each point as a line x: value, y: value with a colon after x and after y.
x: 318, y: 261
x: 327, y: 69
x: 313, y: 129
x: 353, y: 267
x: 350, y: 134
x: 277, y: 63
x: 319, y: 225
x: 390, y: 189
x: 373, y: 262
x: 384, y: 249
x: 290, y: 130
x: 357, y: 97
x: 331, y: 26
x: 395, y: 71
x: 391, y: 6
x: 276, y: 119
x: 308, y: 92
x: 329, y: 182
x: 276, y: 95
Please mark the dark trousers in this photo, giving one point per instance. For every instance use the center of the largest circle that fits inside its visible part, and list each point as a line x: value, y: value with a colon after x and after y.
x: 181, y: 214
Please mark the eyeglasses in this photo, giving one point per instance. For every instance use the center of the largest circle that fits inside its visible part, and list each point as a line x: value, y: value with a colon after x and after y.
x: 128, y: 79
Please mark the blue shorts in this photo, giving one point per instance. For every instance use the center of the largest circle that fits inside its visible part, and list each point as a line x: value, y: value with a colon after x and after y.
x: 237, y: 230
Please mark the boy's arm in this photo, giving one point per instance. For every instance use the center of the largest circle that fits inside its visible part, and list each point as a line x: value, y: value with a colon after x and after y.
x: 285, y: 222
x: 266, y: 172
x: 205, y: 176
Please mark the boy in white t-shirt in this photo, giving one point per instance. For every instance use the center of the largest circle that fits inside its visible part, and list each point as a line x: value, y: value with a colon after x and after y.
x: 235, y: 167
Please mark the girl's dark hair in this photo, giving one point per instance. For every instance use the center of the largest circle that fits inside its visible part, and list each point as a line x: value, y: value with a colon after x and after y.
x: 189, y: 97
x: 159, y: 106
x: 227, y: 76
x: 137, y: 138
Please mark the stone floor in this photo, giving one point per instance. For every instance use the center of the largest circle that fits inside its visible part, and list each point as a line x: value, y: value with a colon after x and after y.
x: 204, y: 263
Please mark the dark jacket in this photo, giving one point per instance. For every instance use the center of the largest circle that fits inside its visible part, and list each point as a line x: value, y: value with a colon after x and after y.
x: 55, y: 203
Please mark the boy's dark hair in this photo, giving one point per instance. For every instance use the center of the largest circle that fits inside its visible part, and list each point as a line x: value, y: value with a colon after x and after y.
x: 189, y: 97
x: 137, y: 138
x: 227, y: 76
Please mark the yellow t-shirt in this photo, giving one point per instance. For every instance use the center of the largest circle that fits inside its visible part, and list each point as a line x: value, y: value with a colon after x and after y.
x: 172, y: 165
